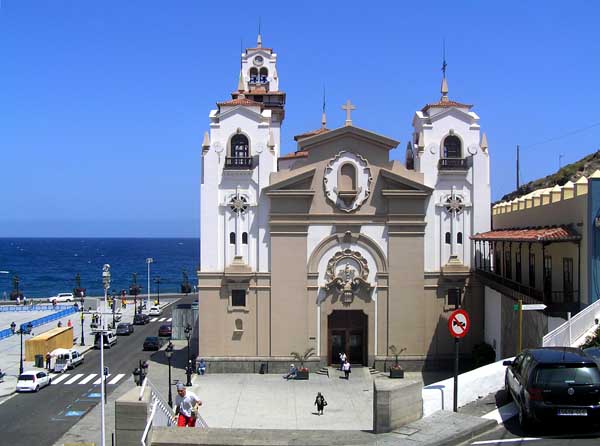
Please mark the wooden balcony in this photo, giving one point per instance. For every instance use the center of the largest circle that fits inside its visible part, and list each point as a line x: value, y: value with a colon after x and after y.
x: 453, y: 164
x: 238, y: 163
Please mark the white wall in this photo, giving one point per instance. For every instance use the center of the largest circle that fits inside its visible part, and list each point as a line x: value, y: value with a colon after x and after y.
x: 493, y: 319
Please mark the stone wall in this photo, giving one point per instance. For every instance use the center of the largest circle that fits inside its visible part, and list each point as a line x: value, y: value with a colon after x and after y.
x: 396, y: 402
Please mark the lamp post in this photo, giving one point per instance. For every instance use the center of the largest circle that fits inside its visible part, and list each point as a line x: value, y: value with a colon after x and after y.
x: 157, y: 282
x: 106, y: 286
x: 24, y: 329
x: 188, y: 335
x: 113, y: 305
x: 149, y: 260
x: 169, y: 353
x: 82, y: 328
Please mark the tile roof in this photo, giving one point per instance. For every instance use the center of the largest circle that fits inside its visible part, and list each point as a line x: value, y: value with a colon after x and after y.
x: 445, y: 104
x: 543, y: 234
x: 294, y: 155
x: 239, y: 101
x: 311, y: 133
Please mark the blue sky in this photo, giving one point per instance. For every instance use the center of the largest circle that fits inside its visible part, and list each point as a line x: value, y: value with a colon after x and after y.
x: 103, y: 105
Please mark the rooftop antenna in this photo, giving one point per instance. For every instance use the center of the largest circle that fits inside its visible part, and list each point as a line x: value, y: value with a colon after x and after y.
x: 444, y: 89
x: 323, y: 116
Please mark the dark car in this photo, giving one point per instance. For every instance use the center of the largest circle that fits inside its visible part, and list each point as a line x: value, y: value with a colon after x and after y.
x: 554, y: 383
x: 165, y: 330
x: 124, y: 328
x: 152, y: 343
x: 141, y: 319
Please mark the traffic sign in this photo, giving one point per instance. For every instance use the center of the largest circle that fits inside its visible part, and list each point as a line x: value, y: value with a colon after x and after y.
x: 533, y: 307
x: 459, y: 323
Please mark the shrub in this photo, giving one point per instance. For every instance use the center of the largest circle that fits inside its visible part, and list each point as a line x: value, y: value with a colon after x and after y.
x: 592, y: 340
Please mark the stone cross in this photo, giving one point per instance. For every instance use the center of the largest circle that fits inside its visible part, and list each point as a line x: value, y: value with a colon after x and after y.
x: 348, y: 106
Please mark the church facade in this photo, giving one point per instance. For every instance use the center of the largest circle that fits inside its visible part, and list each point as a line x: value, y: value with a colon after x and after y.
x: 336, y: 247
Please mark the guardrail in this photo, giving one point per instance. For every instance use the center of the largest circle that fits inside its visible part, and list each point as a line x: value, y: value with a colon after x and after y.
x: 48, y: 307
x: 574, y: 328
x: 52, y: 317
x: 6, y: 333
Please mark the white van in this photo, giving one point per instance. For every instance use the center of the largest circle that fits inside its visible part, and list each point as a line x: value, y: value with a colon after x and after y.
x: 63, y: 359
x: 110, y: 339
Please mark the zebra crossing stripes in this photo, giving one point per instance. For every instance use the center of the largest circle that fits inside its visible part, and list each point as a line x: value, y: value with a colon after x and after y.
x: 162, y: 319
x: 154, y: 319
x: 88, y: 378
x: 99, y: 380
x: 170, y: 319
x: 117, y: 378
x: 74, y: 378
x: 60, y: 378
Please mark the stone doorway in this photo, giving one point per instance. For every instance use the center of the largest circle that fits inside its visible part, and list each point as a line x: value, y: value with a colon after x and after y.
x: 347, y: 332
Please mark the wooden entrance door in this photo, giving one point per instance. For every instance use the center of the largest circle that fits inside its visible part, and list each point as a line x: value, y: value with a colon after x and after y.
x: 347, y: 332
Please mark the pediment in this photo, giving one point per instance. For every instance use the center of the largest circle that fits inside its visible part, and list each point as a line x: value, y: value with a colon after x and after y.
x: 374, y: 139
x: 243, y: 111
x: 463, y: 115
x: 396, y: 184
x: 298, y: 184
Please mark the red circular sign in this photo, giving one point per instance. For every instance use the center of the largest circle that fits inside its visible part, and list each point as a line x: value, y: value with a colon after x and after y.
x: 459, y: 323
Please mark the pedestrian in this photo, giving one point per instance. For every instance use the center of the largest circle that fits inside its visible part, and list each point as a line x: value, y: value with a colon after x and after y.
x: 342, y: 360
x: 59, y: 324
x: 69, y: 324
x: 48, y: 358
x: 54, y: 304
x: 347, y: 369
x: 320, y: 403
x: 187, y: 404
x: 202, y: 367
x: 292, y: 372
x: 24, y: 300
x: 18, y: 300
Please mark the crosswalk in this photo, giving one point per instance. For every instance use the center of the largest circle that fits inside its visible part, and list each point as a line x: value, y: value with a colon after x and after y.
x: 162, y: 319
x: 69, y: 379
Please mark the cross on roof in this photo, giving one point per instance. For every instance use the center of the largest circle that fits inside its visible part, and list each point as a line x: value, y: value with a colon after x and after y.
x: 348, y: 106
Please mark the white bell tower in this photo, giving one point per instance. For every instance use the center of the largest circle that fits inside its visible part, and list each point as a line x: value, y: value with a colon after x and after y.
x: 239, y: 152
x: 448, y: 149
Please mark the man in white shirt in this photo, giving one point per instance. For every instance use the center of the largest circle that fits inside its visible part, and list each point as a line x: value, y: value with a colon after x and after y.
x: 187, y: 404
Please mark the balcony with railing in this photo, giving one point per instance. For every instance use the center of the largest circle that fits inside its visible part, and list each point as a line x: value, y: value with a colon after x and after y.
x: 453, y: 164
x: 238, y: 163
x: 556, y: 301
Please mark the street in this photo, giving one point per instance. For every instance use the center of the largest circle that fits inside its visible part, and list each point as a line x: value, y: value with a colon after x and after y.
x: 43, y: 417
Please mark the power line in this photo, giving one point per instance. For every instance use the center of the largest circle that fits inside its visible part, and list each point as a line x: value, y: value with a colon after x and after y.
x: 564, y: 135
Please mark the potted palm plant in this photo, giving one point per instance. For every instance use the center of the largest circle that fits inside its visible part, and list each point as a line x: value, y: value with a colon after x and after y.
x: 396, y: 370
x: 302, y: 371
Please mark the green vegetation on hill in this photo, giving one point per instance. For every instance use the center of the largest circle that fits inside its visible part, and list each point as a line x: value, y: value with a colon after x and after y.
x: 571, y: 172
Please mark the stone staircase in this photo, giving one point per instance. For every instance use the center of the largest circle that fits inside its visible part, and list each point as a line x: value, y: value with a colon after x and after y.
x: 323, y: 371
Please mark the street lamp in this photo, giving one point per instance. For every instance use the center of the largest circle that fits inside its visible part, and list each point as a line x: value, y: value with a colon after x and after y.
x: 188, y: 369
x: 24, y: 329
x: 149, y: 260
x: 188, y: 335
x: 106, y: 286
x: 82, y: 328
x: 169, y: 353
x: 157, y: 282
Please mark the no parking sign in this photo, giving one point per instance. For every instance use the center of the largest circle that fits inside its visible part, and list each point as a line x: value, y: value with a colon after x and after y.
x: 459, y: 323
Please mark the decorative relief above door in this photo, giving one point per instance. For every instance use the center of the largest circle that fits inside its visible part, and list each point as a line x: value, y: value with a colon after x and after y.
x: 346, y: 276
x: 347, y: 181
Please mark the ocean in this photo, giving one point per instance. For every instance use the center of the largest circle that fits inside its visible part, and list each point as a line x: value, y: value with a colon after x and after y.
x: 47, y: 266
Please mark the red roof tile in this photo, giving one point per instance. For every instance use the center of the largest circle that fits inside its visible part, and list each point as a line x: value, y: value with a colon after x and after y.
x: 544, y: 234
x: 239, y: 101
x: 294, y: 155
x: 311, y: 133
x: 445, y: 104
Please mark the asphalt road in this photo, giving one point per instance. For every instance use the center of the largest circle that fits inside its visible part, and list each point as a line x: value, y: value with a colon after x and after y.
x: 567, y: 433
x: 42, y: 418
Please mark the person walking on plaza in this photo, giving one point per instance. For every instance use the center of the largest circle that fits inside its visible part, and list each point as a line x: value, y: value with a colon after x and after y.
x: 347, y: 369
x: 342, y: 360
x: 320, y: 403
x: 48, y: 358
x: 59, y: 324
x: 69, y: 324
x: 187, y: 404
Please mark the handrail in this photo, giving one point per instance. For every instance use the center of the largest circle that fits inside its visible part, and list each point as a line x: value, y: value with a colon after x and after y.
x: 149, y: 423
x: 574, y: 328
x: 142, y: 388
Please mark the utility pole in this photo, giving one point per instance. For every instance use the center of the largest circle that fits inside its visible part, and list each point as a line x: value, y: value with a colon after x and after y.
x: 518, y: 182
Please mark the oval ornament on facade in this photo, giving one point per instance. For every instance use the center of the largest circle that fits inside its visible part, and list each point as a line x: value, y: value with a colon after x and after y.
x: 472, y: 149
x: 347, y: 199
x: 432, y: 148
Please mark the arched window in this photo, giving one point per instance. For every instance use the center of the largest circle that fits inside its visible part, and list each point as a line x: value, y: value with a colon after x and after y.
x: 244, y: 238
x: 253, y: 75
x: 347, y: 177
x: 264, y: 73
x: 448, y: 239
x: 239, y: 146
x: 459, y: 238
x: 452, y: 147
x: 232, y: 238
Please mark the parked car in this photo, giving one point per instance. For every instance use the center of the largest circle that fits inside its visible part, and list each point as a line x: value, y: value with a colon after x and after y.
x: 155, y: 310
x: 554, y: 383
x: 153, y: 343
x: 165, y: 330
x: 62, y: 297
x: 141, y: 319
x: 63, y: 359
x: 110, y: 339
x: 124, y: 328
x: 32, y: 381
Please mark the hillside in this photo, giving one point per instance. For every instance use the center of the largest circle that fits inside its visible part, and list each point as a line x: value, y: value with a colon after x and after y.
x: 571, y: 172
